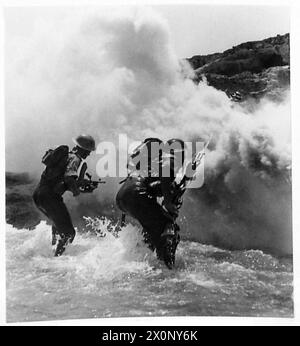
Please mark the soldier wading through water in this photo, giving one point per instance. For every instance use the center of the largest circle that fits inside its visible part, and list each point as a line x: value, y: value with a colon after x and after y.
x: 148, y: 194
x: 61, y: 175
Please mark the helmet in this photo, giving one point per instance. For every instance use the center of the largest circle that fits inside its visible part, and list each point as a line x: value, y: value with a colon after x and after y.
x: 148, y: 155
x: 152, y: 140
x: 85, y: 142
x: 176, y: 144
x: 145, y: 144
x: 175, y: 149
x: 148, y: 142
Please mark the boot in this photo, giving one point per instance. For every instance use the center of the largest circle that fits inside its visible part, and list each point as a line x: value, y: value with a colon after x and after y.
x: 55, y: 236
x: 147, y: 240
x: 169, y: 240
x: 61, y: 246
x: 168, y: 252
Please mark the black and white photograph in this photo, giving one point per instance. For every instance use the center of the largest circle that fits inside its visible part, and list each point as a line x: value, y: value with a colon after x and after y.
x: 148, y: 161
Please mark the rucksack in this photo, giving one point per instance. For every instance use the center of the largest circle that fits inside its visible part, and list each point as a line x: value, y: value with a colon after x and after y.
x: 52, y: 157
x: 55, y: 161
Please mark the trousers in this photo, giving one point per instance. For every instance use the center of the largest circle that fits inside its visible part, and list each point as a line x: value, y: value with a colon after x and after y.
x: 133, y: 200
x: 52, y: 205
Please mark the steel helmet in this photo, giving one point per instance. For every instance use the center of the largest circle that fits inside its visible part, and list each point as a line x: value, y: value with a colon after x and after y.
x: 175, y: 148
x: 145, y: 144
x: 176, y: 144
x: 85, y: 142
x: 148, y: 142
x: 152, y: 140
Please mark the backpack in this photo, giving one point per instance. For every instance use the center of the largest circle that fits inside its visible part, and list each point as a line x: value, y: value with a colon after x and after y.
x: 55, y: 161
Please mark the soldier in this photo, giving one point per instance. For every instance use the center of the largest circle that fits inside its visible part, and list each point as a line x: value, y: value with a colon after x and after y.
x: 143, y: 189
x: 61, y: 175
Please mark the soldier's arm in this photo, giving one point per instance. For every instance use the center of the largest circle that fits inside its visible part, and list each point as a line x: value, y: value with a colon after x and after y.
x: 71, y: 183
x: 71, y: 175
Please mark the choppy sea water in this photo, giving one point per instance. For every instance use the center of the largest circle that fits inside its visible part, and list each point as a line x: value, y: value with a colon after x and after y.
x: 120, y: 277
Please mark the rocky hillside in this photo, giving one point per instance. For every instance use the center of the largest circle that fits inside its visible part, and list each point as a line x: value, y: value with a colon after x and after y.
x: 255, y: 69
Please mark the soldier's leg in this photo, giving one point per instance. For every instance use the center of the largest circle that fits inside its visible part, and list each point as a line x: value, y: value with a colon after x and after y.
x: 58, y: 213
x: 40, y: 197
x: 147, y: 239
x: 63, y: 226
x: 154, y: 220
x: 161, y: 232
x: 170, y: 239
x: 150, y: 215
x: 141, y: 208
x: 55, y: 235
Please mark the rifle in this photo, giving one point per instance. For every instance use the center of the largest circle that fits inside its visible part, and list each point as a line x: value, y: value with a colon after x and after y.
x: 186, y: 179
x: 87, y: 185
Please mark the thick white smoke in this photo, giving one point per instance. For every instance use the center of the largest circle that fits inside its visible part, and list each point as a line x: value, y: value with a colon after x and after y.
x: 96, y: 74
x: 106, y: 74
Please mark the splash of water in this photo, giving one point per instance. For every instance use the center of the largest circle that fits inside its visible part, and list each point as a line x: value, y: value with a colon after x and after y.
x: 119, y: 276
x: 106, y: 74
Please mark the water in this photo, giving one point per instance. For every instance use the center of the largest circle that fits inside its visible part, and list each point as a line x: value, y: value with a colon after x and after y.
x: 117, y: 277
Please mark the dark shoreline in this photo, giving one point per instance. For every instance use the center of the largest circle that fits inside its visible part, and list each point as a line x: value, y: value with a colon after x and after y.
x: 22, y: 213
x: 20, y: 209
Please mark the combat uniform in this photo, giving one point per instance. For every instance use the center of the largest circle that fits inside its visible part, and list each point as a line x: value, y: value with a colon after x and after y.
x: 140, y: 197
x: 48, y: 198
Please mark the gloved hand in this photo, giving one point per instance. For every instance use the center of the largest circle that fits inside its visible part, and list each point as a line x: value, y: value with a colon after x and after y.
x: 172, y: 209
x: 87, y: 188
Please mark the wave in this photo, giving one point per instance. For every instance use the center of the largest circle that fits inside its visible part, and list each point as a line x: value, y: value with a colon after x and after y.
x: 108, y: 276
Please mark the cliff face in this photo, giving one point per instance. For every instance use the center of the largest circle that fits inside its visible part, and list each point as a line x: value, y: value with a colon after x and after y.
x: 255, y: 69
